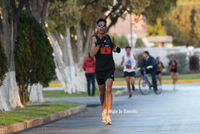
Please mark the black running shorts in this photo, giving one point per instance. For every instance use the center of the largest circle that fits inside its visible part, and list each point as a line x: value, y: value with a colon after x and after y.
x: 174, y: 70
x: 158, y: 72
x: 102, y: 76
x: 130, y: 74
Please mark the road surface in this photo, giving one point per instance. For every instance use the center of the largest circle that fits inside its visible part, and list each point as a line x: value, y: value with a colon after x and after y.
x: 171, y: 112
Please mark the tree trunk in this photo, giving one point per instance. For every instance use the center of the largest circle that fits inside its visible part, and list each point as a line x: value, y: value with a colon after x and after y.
x: 38, y: 10
x: 36, y: 95
x: 14, y: 97
x: 62, y: 71
x: 9, y: 95
x: 4, y: 95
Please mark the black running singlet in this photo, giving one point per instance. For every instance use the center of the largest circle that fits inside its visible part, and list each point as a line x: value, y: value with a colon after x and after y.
x: 173, y: 64
x: 104, y: 57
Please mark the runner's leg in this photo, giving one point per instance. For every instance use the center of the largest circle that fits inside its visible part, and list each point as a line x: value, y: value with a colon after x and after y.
x: 160, y: 76
x: 102, y: 96
x: 133, y: 82
x: 93, y: 84
x: 175, y: 78
x: 109, y: 83
x: 128, y: 83
x: 153, y: 75
x: 172, y: 74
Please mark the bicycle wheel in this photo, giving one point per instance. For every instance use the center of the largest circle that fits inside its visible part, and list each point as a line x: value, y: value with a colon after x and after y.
x: 159, y: 86
x: 144, y: 86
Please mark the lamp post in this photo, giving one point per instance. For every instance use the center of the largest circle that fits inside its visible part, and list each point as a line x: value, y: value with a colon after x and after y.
x: 131, y: 30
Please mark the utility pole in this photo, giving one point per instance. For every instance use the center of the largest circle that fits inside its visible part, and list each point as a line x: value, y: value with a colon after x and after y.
x: 131, y: 30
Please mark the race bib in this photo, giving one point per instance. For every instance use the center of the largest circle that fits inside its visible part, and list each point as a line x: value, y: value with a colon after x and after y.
x: 128, y: 66
x: 105, y: 50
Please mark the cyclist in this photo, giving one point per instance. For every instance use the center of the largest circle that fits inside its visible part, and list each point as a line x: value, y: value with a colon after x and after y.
x: 130, y: 65
x: 160, y: 67
x: 174, y: 72
x: 150, y: 64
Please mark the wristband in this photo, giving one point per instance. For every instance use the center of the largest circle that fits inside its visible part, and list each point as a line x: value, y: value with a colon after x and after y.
x: 99, y: 46
x: 118, y: 50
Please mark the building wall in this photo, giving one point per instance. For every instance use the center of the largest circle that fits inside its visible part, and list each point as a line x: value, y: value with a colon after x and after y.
x: 161, y: 52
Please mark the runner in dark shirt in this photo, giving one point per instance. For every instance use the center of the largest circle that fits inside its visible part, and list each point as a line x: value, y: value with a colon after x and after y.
x: 102, y: 47
x: 160, y: 67
x: 173, y: 64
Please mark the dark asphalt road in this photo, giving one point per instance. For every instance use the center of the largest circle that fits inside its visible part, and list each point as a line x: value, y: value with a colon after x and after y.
x: 172, y: 112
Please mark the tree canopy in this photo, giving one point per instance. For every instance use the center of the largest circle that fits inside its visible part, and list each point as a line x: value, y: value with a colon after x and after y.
x: 183, y: 24
x: 33, y: 53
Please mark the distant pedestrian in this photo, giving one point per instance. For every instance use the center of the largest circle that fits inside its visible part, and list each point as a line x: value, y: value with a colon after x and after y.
x: 159, y: 69
x: 89, y: 67
x: 173, y: 64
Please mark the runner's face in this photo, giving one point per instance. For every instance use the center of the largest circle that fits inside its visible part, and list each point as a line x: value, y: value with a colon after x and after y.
x: 157, y: 58
x: 128, y: 50
x: 172, y: 57
x: 145, y: 55
x: 101, y: 27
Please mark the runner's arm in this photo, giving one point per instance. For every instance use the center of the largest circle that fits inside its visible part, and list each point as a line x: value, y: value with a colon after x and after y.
x: 115, y: 48
x: 136, y: 59
x: 94, y: 48
x: 169, y: 65
x: 122, y: 60
x: 162, y: 65
x: 178, y: 63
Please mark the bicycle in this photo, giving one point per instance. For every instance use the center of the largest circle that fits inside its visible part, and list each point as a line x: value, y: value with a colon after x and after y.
x: 145, y: 85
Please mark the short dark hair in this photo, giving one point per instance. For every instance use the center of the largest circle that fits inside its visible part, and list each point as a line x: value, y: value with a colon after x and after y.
x: 146, y: 52
x: 128, y: 47
x: 101, y: 19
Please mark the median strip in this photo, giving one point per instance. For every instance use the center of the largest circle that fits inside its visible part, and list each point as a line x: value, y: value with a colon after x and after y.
x: 42, y: 120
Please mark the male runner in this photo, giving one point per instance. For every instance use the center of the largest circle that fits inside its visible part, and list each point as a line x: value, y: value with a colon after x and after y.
x: 130, y: 65
x: 102, y: 47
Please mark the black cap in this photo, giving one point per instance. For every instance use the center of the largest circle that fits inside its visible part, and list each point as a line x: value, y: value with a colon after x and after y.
x: 101, y: 19
x: 146, y: 52
x: 128, y: 47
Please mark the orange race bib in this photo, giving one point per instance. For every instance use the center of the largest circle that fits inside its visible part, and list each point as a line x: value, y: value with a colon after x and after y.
x: 105, y: 50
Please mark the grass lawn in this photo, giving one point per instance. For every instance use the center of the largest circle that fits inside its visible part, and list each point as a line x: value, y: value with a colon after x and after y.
x: 168, y: 77
x: 33, y: 111
x: 61, y: 94
x: 165, y: 77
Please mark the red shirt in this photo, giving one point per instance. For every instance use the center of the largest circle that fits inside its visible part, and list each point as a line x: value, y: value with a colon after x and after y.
x: 89, y: 65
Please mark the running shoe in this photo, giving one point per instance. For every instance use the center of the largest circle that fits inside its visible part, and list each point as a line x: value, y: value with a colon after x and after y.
x: 108, y: 121
x: 130, y: 95
x: 103, y: 117
x: 133, y: 87
x: 103, y: 120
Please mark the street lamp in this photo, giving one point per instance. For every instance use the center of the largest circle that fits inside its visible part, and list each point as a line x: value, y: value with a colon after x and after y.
x: 131, y: 30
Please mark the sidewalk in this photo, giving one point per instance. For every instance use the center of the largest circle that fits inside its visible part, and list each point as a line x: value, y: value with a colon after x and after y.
x: 116, y: 83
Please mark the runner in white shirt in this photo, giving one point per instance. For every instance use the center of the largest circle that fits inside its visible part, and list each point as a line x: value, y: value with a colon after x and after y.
x: 130, y: 64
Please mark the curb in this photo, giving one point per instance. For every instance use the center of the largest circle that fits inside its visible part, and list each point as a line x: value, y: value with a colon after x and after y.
x: 120, y: 92
x: 42, y: 120
x: 164, y: 82
x: 136, y: 83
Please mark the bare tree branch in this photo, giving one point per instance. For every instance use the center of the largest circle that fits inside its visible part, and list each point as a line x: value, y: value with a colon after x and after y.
x: 1, y: 28
x: 43, y: 13
x: 27, y: 5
